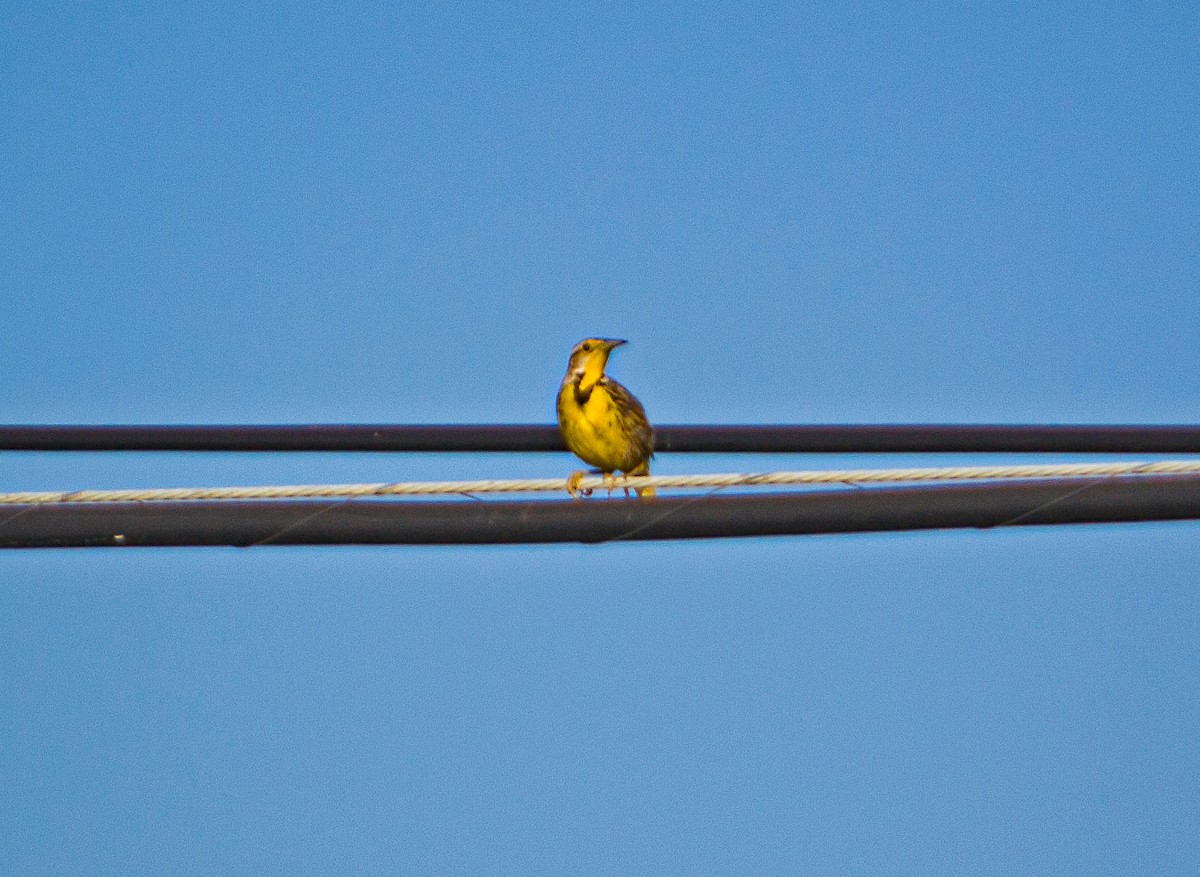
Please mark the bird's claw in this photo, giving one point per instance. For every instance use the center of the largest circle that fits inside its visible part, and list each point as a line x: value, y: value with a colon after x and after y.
x: 573, y: 488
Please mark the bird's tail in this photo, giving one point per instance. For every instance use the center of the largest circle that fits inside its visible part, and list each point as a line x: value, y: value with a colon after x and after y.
x: 643, y: 492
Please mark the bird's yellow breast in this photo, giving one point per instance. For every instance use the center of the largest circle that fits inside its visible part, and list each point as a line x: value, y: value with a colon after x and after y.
x: 594, y: 430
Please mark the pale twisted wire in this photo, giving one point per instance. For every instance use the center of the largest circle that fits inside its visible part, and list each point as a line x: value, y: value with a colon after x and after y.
x: 559, y: 485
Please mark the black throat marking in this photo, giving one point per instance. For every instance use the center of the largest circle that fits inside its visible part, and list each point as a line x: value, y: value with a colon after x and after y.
x: 581, y: 395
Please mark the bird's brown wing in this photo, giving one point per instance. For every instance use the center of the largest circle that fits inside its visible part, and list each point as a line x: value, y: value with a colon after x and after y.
x: 634, y: 424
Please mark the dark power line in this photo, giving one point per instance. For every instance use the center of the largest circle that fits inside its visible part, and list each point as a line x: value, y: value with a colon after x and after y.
x: 920, y: 438
x: 245, y: 523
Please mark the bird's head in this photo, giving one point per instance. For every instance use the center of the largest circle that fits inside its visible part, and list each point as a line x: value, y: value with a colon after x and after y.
x: 591, y: 353
x: 588, y: 359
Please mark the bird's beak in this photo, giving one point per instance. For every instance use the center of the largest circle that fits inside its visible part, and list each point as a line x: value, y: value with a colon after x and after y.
x: 610, y: 343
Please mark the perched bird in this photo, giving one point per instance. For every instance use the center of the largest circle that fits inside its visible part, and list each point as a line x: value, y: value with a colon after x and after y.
x: 603, y: 423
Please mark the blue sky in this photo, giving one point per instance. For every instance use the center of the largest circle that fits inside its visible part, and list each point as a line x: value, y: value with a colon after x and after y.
x: 274, y: 213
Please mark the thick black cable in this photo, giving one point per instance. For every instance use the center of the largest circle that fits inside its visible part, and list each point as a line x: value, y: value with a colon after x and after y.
x: 866, y: 438
x: 245, y: 523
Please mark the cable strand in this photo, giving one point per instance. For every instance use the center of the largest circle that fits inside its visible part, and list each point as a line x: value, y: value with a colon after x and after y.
x: 852, y: 477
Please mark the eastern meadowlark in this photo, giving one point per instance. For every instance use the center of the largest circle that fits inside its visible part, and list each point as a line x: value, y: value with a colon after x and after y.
x: 601, y: 422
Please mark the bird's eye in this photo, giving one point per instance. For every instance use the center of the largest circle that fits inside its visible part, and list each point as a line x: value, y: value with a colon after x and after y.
x: 587, y: 347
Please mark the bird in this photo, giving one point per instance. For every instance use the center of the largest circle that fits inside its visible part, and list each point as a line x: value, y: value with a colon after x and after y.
x: 601, y: 422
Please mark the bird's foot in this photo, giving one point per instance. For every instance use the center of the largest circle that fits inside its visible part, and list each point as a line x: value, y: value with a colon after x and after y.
x: 642, y: 492
x: 573, y: 487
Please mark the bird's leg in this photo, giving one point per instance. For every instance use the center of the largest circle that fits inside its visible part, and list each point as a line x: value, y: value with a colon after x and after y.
x: 610, y: 482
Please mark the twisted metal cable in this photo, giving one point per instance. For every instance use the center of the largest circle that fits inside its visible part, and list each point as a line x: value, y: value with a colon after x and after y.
x: 592, y: 483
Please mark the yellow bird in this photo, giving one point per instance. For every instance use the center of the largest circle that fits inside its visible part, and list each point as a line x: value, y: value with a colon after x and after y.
x: 601, y: 422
